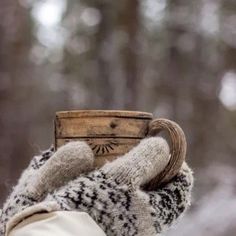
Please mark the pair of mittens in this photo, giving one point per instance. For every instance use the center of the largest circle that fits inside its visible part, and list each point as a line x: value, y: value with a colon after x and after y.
x: 112, y: 195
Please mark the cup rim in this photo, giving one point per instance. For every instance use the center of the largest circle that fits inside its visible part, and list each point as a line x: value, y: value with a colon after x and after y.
x: 104, y: 113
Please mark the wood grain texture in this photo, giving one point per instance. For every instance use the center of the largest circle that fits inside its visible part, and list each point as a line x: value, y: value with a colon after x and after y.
x: 178, y: 150
x: 103, y: 113
x: 101, y: 127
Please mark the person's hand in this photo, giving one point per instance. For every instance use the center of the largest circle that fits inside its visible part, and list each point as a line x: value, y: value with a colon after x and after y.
x: 113, y: 195
x: 40, y: 179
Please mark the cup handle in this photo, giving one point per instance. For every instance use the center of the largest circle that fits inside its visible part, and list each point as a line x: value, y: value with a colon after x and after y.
x: 177, y: 150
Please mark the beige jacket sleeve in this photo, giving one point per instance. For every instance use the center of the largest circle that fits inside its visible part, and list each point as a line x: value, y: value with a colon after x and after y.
x: 60, y: 223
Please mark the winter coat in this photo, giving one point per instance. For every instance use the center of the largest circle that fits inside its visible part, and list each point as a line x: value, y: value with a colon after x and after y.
x: 59, y: 223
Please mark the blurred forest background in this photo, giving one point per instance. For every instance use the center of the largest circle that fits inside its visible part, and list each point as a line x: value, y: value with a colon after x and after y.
x: 176, y: 59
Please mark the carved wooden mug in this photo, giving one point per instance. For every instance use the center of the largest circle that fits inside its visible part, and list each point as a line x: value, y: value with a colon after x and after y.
x: 112, y: 133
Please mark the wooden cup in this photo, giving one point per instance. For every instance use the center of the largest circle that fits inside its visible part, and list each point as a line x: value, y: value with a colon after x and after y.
x: 112, y: 133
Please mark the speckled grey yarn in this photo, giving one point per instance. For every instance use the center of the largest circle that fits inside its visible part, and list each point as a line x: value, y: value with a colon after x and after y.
x: 45, y: 173
x: 114, y: 198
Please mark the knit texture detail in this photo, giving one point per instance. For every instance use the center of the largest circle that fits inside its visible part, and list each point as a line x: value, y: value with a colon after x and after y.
x: 112, y: 195
x: 45, y: 173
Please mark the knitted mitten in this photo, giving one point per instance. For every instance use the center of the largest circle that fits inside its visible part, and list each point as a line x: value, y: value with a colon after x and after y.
x: 44, y: 174
x: 10, y: 207
x: 113, y: 195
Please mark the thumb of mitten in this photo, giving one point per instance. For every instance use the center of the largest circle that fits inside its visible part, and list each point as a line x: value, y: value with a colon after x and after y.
x: 141, y: 164
x: 67, y: 163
